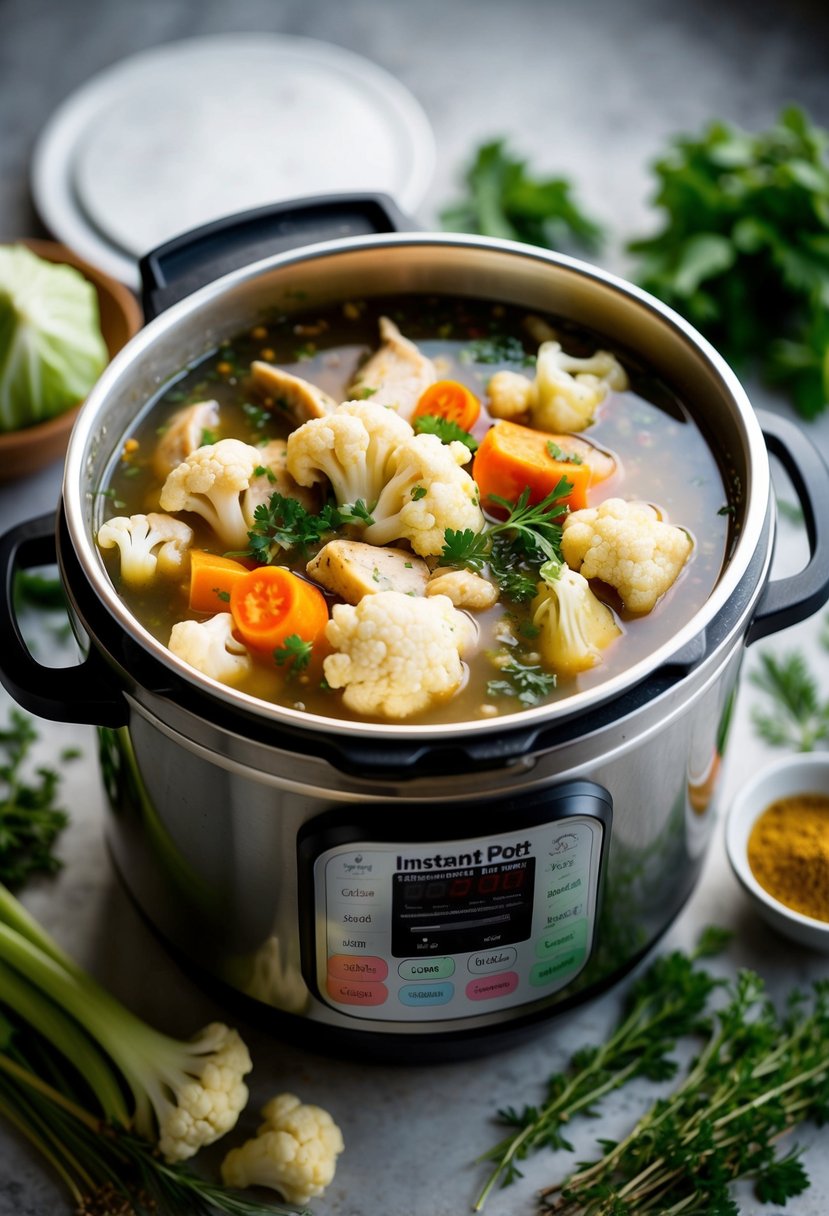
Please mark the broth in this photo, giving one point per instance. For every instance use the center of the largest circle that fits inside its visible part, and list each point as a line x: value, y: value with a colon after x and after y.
x: 662, y: 459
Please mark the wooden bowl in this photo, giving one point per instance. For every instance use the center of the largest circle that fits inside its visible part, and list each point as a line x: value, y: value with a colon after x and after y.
x: 31, y: 448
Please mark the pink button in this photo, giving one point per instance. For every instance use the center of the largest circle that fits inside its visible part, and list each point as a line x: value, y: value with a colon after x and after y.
x: 359, y: 992
x: 489, y: 989
x: 357, y: 967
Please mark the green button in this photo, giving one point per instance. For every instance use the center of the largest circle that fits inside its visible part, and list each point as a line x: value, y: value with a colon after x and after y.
x: 564, y: 965
x: 426, y: 968
x: 569, y: 937
x: 568, y: 886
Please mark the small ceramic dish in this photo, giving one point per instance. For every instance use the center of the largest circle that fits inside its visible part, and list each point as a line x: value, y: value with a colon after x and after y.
x: 31, y: 448
x: 796, y: 774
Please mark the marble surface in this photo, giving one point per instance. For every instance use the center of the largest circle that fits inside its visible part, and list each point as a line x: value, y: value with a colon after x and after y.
x: 592, y: 89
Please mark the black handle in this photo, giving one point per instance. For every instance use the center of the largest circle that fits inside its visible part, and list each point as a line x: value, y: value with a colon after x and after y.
x: 179, y: 267
x: 786, y: 601
x: 88, y: 692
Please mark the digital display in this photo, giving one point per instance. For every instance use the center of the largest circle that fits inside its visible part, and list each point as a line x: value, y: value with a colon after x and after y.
x: 460, y: 910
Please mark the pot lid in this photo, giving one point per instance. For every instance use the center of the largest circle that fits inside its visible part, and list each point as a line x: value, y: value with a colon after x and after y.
x: 180, y: 135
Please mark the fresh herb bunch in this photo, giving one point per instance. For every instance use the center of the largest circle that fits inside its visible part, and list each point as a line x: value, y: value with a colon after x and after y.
x: 798, y: 717
x: 665, y: 1004
x: 504, y: 200
x: 106, y: 1169
x: 446, y: 430
x: 30, y: 820
x: 744, y: 252
x: 757, y: 1077
x: 283, y: 523
x: 515, y: 547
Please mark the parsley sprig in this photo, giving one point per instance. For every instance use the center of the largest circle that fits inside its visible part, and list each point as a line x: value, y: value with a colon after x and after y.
x: 446, y: 430
x: 294, y: 654
x: 758, y: 1075
x: 284, y: 523
x: 665, y: 1004
x: 514, y: 547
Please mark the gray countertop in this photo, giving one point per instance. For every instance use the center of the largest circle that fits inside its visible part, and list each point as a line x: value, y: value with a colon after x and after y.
x: 591, y: 89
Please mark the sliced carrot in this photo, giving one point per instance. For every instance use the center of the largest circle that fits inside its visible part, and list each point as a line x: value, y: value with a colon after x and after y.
x: 271, y: 603
x: 211, y: 580
x: 451, y: 400
x: 513, y: 458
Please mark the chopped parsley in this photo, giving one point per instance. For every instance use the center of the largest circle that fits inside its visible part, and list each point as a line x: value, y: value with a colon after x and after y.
x: 526, y: 682
x: 208, y: 437
x: 257, y: 416
x: 446, y: 430
x: 418, y: 492
x: 559, y: 454
x: 283, y: 523
x: 497, y: 348
x: 294, y: 654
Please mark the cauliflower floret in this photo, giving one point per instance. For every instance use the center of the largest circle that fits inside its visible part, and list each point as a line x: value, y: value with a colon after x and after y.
x: 567, y: 391
x: 294, y: 1152
x: 574, y: 625
x: 149, y: 545
x: 183, y: 434
x: 395, y: 653
x: 427, y: 493
x: 204, y: 1078
x: 509, y: 394
x: 351, y: 446
x: 211, y: 482
x: 465, y: 589
x: 211, y: 648
x: 627, y: 545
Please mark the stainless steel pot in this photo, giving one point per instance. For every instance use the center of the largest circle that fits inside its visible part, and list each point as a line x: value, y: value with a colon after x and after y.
x: 380, y: 886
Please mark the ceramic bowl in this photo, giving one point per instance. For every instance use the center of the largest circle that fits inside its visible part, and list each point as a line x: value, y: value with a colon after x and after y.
x: 796, y: 774
x: 31, y: 448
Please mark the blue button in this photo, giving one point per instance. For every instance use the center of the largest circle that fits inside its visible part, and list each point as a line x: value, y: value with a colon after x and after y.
x: 426, y: 994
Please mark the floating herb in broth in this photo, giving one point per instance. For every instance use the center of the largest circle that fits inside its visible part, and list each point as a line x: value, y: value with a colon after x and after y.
x: 661, y: 458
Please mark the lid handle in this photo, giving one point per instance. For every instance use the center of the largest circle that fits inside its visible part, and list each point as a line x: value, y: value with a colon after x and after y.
x: 179, y: 267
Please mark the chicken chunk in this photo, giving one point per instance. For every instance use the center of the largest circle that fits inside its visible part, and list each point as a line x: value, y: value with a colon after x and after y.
x: 464, y: 589
x: 351, y: 569
x: 290, y: 394
x: 276, y: 480
x: 397, y: 373
x: 184, y: 433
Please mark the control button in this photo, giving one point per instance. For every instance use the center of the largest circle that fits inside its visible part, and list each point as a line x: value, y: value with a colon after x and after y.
x: 362, y: 918
x: 426, y: 968
x: 547, y: 973
x: 573, y: 937
x: 560, y: 915
x: 489, y: 989
x: 357, y: 992
x: 357, y: 967
x: 341, y: 941
x: 356, y: 892
x: 426, y: 994
x: 492, y: 960
x: 568, y: 886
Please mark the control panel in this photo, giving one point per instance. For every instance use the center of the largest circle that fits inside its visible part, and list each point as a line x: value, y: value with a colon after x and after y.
x: 412, y: 930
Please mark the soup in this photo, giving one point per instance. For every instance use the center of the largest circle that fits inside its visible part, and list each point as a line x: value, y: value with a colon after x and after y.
x: 516, y: 623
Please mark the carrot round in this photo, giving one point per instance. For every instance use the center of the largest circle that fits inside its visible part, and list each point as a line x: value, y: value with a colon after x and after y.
x: 270, y: 603
x: 451, y: 400
x: 513, y: 458
x: 211, y: 580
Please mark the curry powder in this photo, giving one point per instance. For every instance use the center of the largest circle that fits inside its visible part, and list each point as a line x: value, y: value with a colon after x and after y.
x: 788, y: 851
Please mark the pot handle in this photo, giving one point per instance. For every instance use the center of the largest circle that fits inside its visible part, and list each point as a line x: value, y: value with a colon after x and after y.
x: 787, y: 601
x: 180, y: 266
x: 87, y: 692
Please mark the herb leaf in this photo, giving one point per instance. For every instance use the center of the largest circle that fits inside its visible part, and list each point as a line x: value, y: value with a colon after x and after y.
x: 446, y: 430
x: 30, y: 822
x: 797, y: 718
x: 527, y: 682
x: 283, y: 523
x: 294, y: 653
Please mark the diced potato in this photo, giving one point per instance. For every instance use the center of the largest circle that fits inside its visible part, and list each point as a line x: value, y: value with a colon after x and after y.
x: 352, y: 569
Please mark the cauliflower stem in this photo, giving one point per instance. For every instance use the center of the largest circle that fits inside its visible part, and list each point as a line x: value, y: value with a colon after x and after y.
x: 184, y: 1094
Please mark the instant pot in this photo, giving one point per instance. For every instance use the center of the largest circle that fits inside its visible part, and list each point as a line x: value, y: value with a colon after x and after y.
x: 400, y: 890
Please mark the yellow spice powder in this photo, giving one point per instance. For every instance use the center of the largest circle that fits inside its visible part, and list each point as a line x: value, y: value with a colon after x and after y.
x: 788, y: 851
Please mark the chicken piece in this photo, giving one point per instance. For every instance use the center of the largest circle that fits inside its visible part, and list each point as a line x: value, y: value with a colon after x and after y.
x: 276, y: 480
x: 289, y: 394
x: 188, y: 429
x: 464, y: 589
x: 351, y: 569
x: 397, y: 373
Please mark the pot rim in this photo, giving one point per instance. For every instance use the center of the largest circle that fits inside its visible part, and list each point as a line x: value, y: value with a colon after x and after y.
x: 734, y: 570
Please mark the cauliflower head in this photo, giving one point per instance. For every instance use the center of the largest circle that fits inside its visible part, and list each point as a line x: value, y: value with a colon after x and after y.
x: 465, y: 589
x: 211, y: 482
x: 509, y: 394
x: 627, y: 545
x: 427, y: 493
x: 148, y: 544
x: 211, y: 648
x: 396, y: 654
x: 574, y: 625
x: 294, y: 1152
x: 351, y: 446
x: 199, y: 1093
x: 567, y: 391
